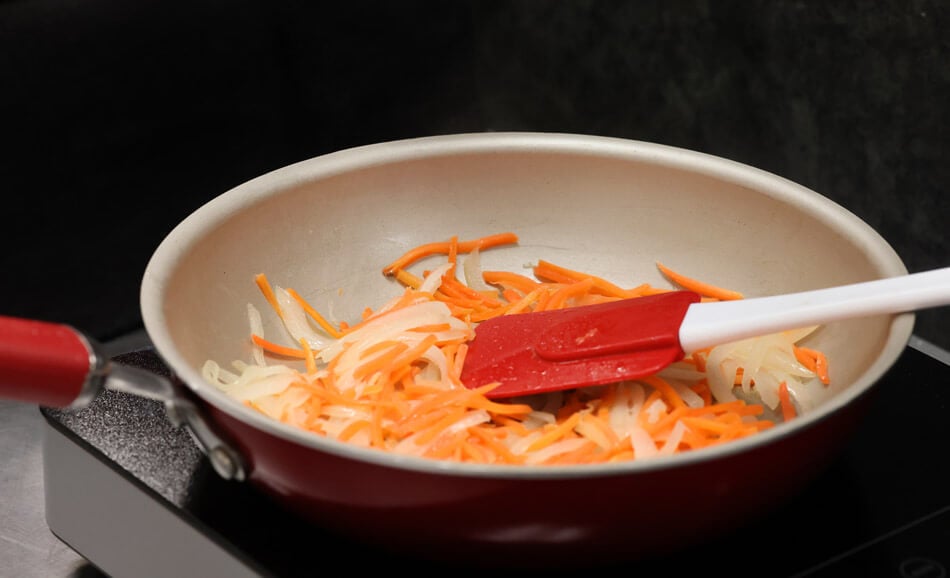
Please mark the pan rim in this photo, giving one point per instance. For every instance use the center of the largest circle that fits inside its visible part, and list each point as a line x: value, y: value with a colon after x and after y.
x: 192, y: 229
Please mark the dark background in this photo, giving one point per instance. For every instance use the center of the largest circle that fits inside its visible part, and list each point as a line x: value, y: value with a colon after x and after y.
x: 120, y: 118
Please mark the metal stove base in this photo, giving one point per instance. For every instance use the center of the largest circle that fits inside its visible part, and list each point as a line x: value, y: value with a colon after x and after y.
x: 119, y: 525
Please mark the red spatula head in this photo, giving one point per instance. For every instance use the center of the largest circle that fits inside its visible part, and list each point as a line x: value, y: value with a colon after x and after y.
x: 591, y: 345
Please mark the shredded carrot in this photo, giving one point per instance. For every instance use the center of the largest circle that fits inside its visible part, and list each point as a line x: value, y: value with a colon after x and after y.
x: 326, y: 325
x: 422, y: 251
x: 501, y: 451
x: 785, y: 400
x: 351, y: 430
x: 665, y: 389
x: 704, y: 289
x: 278, y: 349
x: 403, y: 390
x: 555, y: 433
x: 451, y: 416
x: 382, y: 361
x: 815, y: 361
x: 308, y: 356
x: 522, y: 304
x: 452, y: 286
x: 268, y: 291
x: 560, y: 298
x: 821, y: 365
x: 702, y: 390
x: 547, y: 270
x: 509, y: 279
x: 511, y: 295
x: 597, y: 429
x: 408, y: 279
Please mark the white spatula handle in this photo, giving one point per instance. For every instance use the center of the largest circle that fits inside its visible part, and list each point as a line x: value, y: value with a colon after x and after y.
x: 715, y: 323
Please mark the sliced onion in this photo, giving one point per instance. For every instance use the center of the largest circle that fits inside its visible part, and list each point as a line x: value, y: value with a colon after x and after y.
x: 681, y: 371
x: 624, y: 414
x: 253, y: 385
x: 282, y: 404
x: 673, y: 440
x: 689, y: 397
x: 433, y: 280
x: 766, y: 362
x: 297, y: 321
x: 257, y: 328
x: 216, y: 374
x: 472, y: 271
x: 654, y: 410
x: 382, y: 327
x: 643, y: 444
x: 555, y: 449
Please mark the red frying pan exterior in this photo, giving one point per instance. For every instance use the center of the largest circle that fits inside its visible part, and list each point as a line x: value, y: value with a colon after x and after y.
x: 553, y: 522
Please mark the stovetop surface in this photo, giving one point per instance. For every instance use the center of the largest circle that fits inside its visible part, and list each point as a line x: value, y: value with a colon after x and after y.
x: 881, y: 509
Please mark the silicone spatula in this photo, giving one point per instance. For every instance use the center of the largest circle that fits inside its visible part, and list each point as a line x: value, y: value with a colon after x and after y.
x: 546, y: 351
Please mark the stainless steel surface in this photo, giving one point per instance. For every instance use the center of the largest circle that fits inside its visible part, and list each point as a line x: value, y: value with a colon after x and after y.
x: 27, y: 547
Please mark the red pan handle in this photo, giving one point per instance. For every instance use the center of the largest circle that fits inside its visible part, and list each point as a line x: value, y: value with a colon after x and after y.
x: 54, y: 365
x: 45, y: 363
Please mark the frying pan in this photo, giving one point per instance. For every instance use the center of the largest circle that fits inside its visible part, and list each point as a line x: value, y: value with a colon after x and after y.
x: 609, y: 206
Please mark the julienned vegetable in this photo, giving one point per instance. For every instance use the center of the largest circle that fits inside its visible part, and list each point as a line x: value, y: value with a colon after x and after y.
x: 391, y: 380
